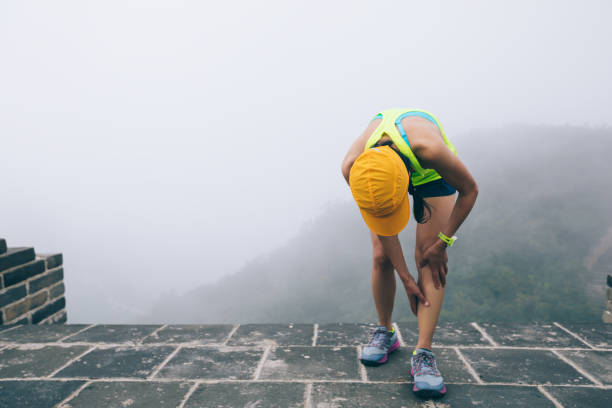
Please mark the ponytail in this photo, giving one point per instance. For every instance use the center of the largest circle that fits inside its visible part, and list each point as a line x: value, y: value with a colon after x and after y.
x: 419, y: 205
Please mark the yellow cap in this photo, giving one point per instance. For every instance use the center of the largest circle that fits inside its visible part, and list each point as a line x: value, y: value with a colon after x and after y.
x: 379, y: 183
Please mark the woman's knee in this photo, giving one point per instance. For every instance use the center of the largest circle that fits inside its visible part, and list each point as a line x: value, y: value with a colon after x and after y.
x: 379, y: 259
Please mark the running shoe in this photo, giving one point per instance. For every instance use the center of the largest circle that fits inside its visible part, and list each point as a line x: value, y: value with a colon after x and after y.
x: 428, y: 382
x: 381, y: 344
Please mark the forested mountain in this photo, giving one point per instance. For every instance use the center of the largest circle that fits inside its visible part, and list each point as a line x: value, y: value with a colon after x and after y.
x: 527, y: 252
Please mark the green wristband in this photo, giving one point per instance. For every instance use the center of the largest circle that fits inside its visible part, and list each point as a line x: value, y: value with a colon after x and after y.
x: 448, y: 241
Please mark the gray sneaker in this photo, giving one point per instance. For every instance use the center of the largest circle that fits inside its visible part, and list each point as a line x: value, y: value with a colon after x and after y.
x: 428, y: 381
x: 381, y: 344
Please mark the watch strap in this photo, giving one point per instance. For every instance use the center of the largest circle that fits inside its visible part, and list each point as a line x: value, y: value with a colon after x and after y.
x: 448, y: 241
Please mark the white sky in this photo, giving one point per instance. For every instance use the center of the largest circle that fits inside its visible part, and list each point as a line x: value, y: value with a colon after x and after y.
x: 162, y: 144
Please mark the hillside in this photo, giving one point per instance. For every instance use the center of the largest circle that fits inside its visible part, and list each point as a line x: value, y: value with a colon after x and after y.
x: 543, y: 209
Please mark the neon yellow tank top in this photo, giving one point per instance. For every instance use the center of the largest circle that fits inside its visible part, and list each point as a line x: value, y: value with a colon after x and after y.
x: 391, y: 126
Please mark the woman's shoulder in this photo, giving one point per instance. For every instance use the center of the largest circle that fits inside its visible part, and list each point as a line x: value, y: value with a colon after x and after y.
x: 421, y: 132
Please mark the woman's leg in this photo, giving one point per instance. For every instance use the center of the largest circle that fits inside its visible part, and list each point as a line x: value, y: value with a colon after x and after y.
x: 426, y: 235
x: 383, y: 282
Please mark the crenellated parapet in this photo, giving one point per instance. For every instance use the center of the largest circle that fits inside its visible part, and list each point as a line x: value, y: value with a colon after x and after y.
x: 31, y: 286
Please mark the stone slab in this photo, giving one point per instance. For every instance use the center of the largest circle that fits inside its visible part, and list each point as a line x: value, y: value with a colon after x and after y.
x: 575, y: 397
x: 213, y: 363
x: 344, y: 334
x: 5, y: 327
x: 121, y: 362
x: 125, y: 394
x: 228, y: 395
x: 530, y: 335
x: 272, y: 335
x: 397, y: 368
x: 35, y: 394
x: 596, y: 363
x: 114, y: 333
x: 193, y: 334
x: 522, y: 366
x: 35, y: 362
x: 597, y: 334
x: 356, y: 395
x: 446, y: 334
x: 40, y: 333
x: 311, y: 363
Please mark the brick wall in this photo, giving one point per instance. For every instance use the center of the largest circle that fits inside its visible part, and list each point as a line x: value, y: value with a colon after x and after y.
x: 31, y: 286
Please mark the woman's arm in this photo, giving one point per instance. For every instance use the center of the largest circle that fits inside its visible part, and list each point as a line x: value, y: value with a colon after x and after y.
x: 438, y: 156
x: 356, y: 149
x: 434, y: 154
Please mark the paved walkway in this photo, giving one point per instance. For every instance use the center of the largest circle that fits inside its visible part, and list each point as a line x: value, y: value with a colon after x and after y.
x: 299, y: 365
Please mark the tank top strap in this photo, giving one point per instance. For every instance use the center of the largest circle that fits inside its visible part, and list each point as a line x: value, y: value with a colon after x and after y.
x: 388, y: 126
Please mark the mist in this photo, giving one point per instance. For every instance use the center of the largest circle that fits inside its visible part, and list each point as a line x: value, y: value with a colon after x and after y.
x: 164, y: 145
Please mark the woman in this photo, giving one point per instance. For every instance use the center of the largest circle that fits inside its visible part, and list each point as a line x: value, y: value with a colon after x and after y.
x: 406, y: 150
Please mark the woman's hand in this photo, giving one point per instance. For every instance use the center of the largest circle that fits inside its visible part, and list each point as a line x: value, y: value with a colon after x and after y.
x: 436, y: 258
x: 393, y: 250
x: 415, y: 295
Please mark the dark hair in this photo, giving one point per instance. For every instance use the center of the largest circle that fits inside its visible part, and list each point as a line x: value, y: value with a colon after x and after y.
x: 419, y: 205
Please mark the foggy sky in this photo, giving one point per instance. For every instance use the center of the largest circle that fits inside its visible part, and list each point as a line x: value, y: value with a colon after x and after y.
x: 162, y: 144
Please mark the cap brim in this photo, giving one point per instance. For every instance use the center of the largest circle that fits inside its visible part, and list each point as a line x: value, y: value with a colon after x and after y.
x: 390, y: 224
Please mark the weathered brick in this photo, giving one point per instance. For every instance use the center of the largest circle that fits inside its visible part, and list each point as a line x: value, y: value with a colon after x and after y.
x: 56, y: 290
x: 21, y: 273
x: 18, y: 309
x: 25, y: 320
x: 59, y: 317
x: 11, y: 295
x: 47, y: 279
x: 52, y: 260
x: 63, y: 318
x: 48, y: 310
x: 2, y: 245
x: 16, y: 256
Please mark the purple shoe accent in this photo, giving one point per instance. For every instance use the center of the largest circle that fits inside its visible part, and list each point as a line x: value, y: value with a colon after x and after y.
x: 395, y: 346
x: 429, y: 393
x: 378, y: 341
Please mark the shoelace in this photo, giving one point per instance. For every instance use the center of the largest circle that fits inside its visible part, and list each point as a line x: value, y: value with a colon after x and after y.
x: 426, y: 364
x: 380, y: 338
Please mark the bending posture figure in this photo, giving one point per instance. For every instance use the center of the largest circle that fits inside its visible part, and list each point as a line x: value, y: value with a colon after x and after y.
x: 406, y: 151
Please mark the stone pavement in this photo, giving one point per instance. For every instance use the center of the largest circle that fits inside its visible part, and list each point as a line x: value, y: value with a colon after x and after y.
x: 299, y: 365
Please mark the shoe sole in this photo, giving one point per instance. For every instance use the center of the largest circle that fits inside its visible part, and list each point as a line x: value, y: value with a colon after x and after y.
x: 429, y: 393
x: 384, y: 358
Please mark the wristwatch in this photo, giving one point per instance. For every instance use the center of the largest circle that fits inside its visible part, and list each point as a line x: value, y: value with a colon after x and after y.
x: 448, y: 242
